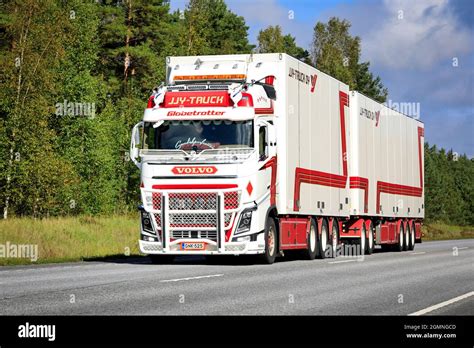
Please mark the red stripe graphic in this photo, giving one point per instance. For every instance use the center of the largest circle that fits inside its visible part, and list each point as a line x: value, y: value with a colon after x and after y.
x: 272, y: 163
x: 343, y: 101
x: 315, y: 177
x: 195, y: 187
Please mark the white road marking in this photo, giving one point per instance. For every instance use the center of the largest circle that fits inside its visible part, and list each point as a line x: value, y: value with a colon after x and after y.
x: 191, y: 278
x: 418, y: 253
x: 463, y: 248
x: 342, y: 261
x: 443, y: 304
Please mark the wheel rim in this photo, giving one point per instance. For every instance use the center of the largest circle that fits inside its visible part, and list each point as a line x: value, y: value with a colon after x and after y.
x: 362, y: 243
x: 312, y: 238
x: 271, y: 241
x: 400, y: 239
x: 412, y: 242
x: 407, y: 239
x: 334, y: 241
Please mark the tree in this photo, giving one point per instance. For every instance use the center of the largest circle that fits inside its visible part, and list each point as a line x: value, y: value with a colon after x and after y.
x: 132, y: 35
x: 271, y: 40
x: 211, y: 28
x: 449, y: 187
x: 33, y: 174
x: 337, y: 53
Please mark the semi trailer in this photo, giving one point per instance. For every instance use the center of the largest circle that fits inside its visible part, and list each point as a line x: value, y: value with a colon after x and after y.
x: 262, y: 154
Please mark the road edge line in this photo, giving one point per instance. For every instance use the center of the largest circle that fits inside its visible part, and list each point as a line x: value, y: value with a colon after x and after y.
x: 442, y: 304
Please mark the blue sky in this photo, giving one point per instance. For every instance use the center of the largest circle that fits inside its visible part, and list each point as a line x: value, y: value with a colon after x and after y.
x: 411, y: 45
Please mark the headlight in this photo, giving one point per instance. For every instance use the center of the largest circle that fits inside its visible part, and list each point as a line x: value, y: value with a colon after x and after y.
x: 245, y: 221
x: 146, y: 222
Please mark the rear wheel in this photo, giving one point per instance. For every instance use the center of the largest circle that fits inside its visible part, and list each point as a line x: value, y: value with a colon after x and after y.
x: 407, y: 238
x: 323, y: 239
x: 369, y: 249
x: 161, y: 259
x: 362, y: 240
x: 270, y: 242
x: 401, y: 239
x: 334, y: 239
x: 310, y: 252
x: 411, y: 245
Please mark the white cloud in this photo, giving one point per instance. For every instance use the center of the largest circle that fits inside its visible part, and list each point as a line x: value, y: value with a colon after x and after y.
x: 259, y: 14
x: 426, y: 34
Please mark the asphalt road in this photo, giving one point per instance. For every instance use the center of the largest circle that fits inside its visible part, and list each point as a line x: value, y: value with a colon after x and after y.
x: 385, y: 283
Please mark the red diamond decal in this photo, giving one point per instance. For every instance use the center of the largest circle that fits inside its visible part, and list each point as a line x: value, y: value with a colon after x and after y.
x: 249, y: 188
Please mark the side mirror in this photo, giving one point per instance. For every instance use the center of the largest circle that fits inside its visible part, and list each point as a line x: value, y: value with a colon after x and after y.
x: 270, y: 91
x: 134, y: 142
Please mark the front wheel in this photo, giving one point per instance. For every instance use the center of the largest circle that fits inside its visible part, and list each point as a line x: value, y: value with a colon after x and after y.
x: 270, y: 242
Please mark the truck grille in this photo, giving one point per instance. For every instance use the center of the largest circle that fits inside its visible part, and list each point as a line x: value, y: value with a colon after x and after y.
x: 203, y: 224
x: 193, y: 220
x: 193, y: 201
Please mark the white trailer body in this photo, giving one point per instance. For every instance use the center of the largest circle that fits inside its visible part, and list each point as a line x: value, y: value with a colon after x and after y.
x: 385, y: 161
x: 312, y: 133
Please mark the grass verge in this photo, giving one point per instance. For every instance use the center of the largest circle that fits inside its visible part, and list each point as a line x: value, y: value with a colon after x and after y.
x: 67, y: 239
x: 442, y: 231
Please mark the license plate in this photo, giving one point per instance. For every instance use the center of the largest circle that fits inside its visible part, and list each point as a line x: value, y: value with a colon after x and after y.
x: 193, y: 246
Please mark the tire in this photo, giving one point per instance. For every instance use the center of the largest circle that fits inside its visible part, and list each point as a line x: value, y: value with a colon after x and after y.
x: 161, y: 259
x: 312, y: 242
x: 362, y: 241
x: 369, y: 242
x: 411, y: 246
x: 323, y: 239
x: 401, y: 239
x: 270, y: 242
x: 334, y: 239
x: 407, y: 238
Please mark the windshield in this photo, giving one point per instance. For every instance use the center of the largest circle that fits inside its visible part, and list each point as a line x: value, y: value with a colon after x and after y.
x: 198, y: 135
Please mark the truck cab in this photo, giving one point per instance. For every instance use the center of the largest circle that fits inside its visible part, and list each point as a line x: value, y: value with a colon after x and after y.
x: 206, y: 149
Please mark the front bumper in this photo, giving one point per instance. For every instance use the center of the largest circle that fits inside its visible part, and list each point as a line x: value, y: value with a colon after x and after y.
x: 233, y: 248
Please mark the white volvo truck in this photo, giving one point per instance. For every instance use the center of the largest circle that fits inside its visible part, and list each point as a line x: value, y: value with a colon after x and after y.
x: 264, y: 154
